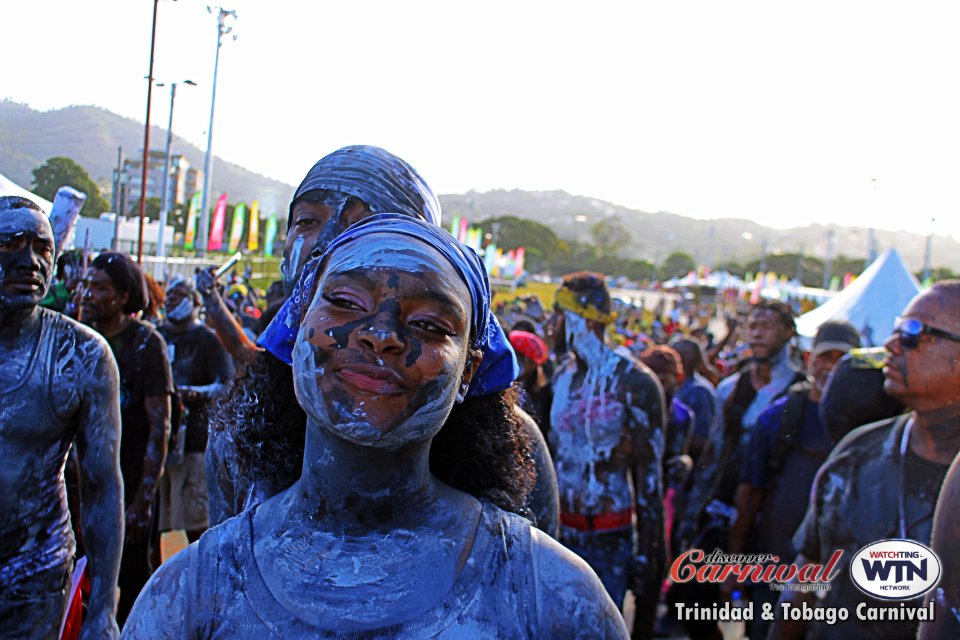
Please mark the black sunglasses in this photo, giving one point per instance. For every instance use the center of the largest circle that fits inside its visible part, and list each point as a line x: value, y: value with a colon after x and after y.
x: 910, y: 330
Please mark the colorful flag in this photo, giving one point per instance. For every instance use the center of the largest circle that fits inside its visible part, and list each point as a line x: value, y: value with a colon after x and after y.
x: 521, y: 256
x: 236, y: 227
x: 219, y: 221
x: 190, y: 233
x: 253, y: 241
x: 271, y: 235
x: 455, y: 226
x: 462, y: 234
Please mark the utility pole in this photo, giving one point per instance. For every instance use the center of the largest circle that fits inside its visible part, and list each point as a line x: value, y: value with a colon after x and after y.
x: 828, y: 263
x: 146, y: 137
x: 165, y: 197
x: 115, y: 200
x: 203, y: 231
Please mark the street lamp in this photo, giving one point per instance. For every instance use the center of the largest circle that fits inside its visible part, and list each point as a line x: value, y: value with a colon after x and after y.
x: 222, y: 30
x: 164, y: 198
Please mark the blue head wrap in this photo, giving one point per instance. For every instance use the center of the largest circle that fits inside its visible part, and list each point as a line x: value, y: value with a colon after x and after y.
x: 379, y: 178
x: 499, y: 366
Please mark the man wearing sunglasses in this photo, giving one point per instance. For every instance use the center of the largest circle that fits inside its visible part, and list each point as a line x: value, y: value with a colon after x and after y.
x: 882, y: 480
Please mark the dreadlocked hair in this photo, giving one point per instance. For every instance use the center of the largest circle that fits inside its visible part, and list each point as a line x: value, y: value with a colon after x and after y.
x: 265, y: 421
x: 483, y: 450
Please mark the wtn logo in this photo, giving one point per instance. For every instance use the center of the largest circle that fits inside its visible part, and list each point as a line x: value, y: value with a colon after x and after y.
x: 895, y: 569
x: 904, y: 569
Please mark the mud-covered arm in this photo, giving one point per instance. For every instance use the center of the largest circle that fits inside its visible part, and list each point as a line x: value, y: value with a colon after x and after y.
x: 228, y: 329
x: 946, y: 543
x: 571, y: 600
x: 544, y: 500
x: 220, y: 478
x: 98, y: 448
x: 645, y: 401
x: 165, y: 609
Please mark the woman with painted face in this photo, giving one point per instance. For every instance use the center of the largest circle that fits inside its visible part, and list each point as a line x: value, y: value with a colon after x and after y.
x: 257, y: 434
x: 382, y: 536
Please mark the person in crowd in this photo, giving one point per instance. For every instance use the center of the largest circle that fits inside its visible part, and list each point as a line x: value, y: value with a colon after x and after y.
x: 742, y: 397
x: 946, y: 544
x: 532, y: 354
x: 854, y: 395
x: 408, y: 478
x: 115, y: 290
x: 156, y: 297
x: 201, y: 371
x: 883, y: 480
x: 257, y: 433
x: 41, y: 415
x: 607, y: 422
x: 785, y: 449
x: 696, y: 392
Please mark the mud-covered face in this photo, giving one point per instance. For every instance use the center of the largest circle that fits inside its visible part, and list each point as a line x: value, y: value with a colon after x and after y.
x: 313, y: 225
x: 383, y: 349
x: 820, y: 366
x: 181, y: 305
x: 26, y: 258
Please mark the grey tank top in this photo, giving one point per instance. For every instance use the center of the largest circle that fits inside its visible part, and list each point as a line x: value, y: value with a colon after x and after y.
x: 493, y: 597
x: 39, y: 534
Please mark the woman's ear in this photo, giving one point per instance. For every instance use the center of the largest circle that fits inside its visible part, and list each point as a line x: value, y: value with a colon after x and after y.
x: 474, y: 358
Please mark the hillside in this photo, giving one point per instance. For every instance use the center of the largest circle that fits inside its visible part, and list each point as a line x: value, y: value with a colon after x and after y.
x: 91, y: 135
x: 656, y: 235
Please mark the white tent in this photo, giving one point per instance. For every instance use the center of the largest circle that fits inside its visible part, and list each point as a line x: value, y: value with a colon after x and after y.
x: 871, y: 303
x: 10, y: 188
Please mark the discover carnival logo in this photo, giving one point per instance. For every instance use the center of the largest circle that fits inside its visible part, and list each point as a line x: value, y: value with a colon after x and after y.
x: 895, y: 569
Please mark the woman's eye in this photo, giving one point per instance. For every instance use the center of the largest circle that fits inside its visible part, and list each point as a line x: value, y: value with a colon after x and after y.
x: 342, y: 302
x: 306, y: 222
x: 431, y: 326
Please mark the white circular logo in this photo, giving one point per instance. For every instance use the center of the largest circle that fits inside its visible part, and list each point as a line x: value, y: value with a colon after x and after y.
x: 895, y: 569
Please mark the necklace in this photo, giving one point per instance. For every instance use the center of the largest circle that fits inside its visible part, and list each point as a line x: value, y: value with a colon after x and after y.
x: 902, y: 506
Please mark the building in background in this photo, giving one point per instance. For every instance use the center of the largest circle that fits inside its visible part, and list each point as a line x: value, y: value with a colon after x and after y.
x: 184, y: 180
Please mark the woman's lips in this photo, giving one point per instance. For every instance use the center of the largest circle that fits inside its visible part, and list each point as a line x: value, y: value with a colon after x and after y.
x: 372, y: 379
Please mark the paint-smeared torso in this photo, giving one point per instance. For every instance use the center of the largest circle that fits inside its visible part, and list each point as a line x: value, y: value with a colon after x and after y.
x: 593, y: 435
x: 510, y: 577
x: 38, y: 408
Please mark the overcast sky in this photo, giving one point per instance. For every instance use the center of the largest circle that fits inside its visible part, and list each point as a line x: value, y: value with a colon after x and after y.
x: 784, y: 113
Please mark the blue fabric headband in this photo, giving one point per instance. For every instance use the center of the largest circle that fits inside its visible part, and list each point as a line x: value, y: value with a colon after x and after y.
x: 376, y: 176
x: 499, y: 367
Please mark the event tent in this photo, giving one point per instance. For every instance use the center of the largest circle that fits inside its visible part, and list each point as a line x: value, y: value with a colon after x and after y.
x: 10, y: 188
x: 871, y: 303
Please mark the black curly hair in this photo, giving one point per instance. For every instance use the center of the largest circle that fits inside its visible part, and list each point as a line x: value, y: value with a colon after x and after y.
x: 780, y: 309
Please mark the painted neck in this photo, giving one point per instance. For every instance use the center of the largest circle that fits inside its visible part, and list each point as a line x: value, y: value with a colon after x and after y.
x: 362, y: 487
x: 935, y: 435
x: 15, y: 324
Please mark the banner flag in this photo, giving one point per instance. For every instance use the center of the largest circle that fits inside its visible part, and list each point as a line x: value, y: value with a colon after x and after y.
x: 271, y: 235
x: 455, y: 226
x: 236, y: 227
x: 190, y: 233
x: 521, y: 255
x: 219, y: 221
x: 253, y: 241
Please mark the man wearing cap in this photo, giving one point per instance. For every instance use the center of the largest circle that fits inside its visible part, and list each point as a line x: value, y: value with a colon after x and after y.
x: 201, y: 371
x: 882, y: 480
x: 785, y: 449
x: 607, y: 421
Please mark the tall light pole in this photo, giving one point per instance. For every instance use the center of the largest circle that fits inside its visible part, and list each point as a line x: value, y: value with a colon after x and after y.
x: 164, y: 198
x: 203, y: 232
x: 146, y: 136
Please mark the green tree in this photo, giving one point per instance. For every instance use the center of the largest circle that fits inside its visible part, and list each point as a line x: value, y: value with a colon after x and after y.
x: 610, y: 236
x: 677, y: 265
x: 59, y: 172
x: 539, y: 241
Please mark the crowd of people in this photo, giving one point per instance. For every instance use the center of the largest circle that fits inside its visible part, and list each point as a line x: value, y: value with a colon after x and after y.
x: 376, y: 449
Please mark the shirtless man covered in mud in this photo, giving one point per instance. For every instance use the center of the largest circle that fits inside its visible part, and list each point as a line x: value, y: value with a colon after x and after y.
x: 58, y: 383
x: 607, y: 422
